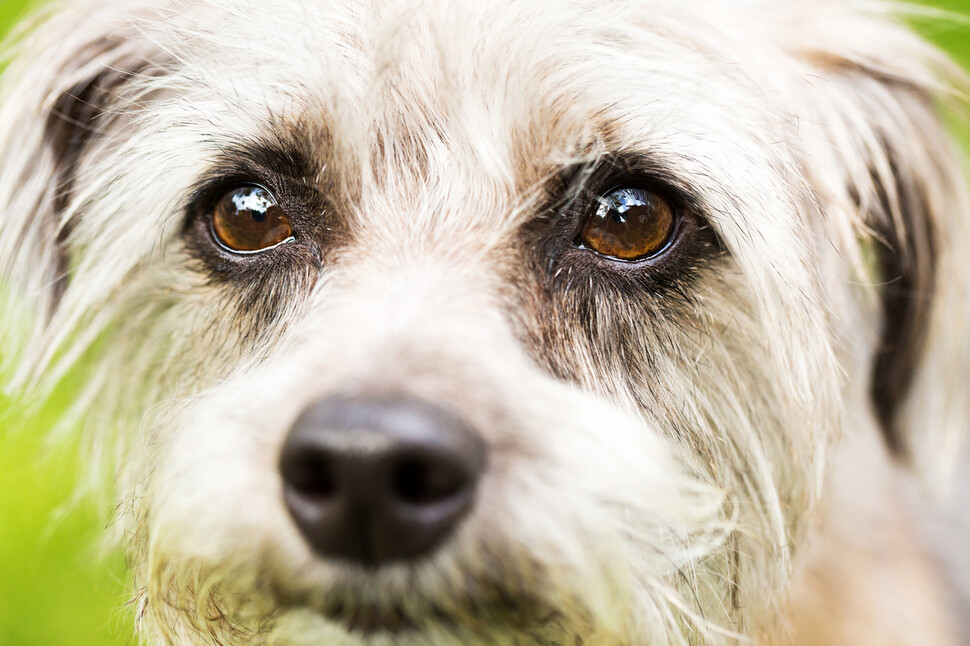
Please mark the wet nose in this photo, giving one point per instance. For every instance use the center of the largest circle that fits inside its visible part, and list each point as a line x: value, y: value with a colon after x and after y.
x: 374, y: 480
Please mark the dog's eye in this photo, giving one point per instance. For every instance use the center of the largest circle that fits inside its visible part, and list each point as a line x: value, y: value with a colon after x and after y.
x: 629, y: 224
x: 247, y: 219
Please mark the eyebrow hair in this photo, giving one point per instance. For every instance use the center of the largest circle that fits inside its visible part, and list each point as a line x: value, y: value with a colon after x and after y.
x: 287, y: 159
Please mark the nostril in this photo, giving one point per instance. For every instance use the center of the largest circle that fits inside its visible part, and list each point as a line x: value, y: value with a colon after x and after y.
x: 312, y: 474
x: 379, y: 480
x: 420, y: 481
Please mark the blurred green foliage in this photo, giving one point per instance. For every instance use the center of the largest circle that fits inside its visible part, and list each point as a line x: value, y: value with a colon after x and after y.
x: 57, y: 586
x: 951, y: 34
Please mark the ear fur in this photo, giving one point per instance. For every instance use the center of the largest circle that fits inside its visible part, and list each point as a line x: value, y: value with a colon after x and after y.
x: 885, y: 93
x: 56, y: 100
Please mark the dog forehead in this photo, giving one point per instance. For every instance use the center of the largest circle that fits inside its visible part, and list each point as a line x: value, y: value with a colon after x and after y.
x: 483, y: 97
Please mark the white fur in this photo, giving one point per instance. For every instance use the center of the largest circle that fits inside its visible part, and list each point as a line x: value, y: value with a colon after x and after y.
x: 680, y: 521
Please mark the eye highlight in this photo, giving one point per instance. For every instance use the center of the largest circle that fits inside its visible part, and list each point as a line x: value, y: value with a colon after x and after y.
x: 248, y: 219
x: 629, y: 224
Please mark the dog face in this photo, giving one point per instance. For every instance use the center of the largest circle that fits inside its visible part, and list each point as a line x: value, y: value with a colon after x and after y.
x: 613, y: 278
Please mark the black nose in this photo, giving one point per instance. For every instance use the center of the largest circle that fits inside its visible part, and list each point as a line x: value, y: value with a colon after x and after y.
x: 374, y: 480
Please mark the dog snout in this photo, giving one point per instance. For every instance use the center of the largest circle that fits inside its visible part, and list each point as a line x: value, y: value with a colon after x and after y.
x: 373, y: 480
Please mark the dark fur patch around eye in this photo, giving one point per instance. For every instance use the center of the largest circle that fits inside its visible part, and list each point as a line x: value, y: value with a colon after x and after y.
x: 576, y: 194
x: 304, y: 206
x: 574, y: 299
x: 265, y: 284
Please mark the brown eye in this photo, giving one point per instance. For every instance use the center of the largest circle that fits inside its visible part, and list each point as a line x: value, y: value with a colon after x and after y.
x: 247, y: 219
x: 629, y: 224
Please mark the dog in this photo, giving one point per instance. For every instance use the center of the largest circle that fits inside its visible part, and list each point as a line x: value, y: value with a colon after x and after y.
x: 513, y: 322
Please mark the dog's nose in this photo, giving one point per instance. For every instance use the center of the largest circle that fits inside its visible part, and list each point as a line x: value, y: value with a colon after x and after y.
x: 374, y: 480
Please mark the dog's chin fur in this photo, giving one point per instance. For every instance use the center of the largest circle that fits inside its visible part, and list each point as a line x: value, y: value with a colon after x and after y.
x: 703, y: 451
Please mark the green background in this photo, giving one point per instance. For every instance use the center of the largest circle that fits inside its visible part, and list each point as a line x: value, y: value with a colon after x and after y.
x: 57, y: 586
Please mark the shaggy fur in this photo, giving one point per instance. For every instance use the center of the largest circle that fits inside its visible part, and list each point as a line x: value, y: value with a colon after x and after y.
x: 706, y: 452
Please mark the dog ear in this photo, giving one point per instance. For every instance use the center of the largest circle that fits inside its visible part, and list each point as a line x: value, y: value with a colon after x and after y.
x: 918, y: 222
x: 884, y: 94
x: 56, y: 100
